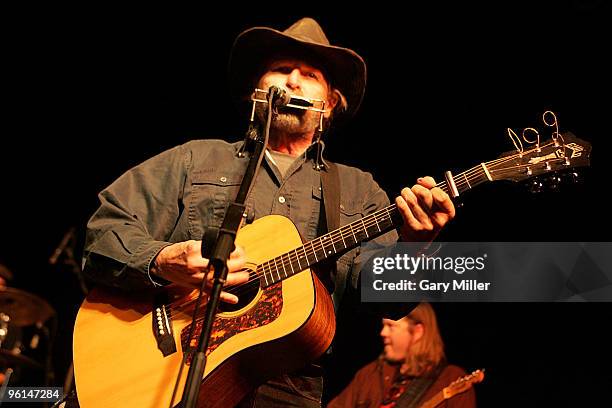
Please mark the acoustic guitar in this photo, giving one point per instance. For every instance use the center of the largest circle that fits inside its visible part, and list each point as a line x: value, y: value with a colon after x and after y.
x: 128, y: 348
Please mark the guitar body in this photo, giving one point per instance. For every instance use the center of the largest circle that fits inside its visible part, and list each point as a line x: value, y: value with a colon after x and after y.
x: 118, y: 361
x: 128, y: 347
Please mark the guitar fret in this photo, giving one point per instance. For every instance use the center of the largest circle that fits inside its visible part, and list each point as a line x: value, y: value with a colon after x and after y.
x: 314, y: 251
x: 270, y: 274
x: 333, y: 245
x: 365, y: 225
x: 466, y: 180
x: 312, y: 256
x: 353, y: 232
x: 322, y: 241
x: 284, y: 269
x: 327, y: 250
x: 291, y: 264
x: 365, y: 229
x: 354, y: 238
x: 389, y: 215
x: 389, y: 219
x: 264, y: 275
x: 305, y: 255
x: 298, y: 259
x: 277, y: 271
x: 376, y: 220
x: 343, y: 241
x: 322, y: 248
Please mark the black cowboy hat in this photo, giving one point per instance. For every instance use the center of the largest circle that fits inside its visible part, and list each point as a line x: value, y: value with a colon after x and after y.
x: 345, y: 69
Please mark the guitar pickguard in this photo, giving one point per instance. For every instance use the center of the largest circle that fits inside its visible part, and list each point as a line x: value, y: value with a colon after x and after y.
x: 263, y: 312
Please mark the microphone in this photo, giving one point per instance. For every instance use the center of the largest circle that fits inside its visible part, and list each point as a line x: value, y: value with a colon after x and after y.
x: 280, y: 96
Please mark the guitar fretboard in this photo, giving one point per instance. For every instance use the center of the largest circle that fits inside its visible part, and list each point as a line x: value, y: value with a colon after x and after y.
x: 556, y: 154
x: 351, y: 235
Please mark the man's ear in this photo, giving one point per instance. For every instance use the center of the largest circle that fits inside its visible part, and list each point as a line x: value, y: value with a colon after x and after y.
x: 417, y: 331
x: 334, y: 99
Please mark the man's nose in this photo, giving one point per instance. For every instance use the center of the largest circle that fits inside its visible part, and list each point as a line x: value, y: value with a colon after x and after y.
x: 293, y: 79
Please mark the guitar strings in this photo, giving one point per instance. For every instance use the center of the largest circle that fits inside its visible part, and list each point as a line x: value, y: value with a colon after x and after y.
x: 474, y: 174
x: 288, y: 259
x: 477, y: 170
x: 524, y: 166
x: 372, y: 220
x: 255, y: 276
x: 284, y: 264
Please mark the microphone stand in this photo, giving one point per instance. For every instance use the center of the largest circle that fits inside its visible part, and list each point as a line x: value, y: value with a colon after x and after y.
x: 65, y: 249
x: 219, y: 255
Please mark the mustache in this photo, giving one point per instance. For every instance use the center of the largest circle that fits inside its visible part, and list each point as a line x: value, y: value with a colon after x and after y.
x: 261, y: 110
x: 290, y: 111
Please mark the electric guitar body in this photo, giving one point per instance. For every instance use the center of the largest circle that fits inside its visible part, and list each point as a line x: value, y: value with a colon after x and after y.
x: 128, y: 348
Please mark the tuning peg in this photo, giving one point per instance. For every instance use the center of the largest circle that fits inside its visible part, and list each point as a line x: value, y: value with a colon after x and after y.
x: 574, y: 177
x: 553, y: 182
x: 536, y: 186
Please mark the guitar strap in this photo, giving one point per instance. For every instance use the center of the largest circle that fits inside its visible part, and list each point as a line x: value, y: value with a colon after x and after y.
x: 330, y: 183
x: 412, y: 396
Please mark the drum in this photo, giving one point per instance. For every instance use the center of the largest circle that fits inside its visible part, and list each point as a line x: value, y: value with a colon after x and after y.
x: 24, y: 338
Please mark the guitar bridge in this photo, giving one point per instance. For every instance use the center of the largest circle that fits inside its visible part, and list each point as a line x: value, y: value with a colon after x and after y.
x: 162, y: 328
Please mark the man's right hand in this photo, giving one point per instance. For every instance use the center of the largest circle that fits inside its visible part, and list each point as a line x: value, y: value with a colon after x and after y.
x: 182, y: 263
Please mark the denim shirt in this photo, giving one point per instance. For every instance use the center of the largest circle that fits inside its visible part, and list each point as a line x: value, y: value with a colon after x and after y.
x: 177, y: 194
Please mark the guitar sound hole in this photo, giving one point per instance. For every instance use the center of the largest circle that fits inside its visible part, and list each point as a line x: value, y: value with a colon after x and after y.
x: 245, y: 292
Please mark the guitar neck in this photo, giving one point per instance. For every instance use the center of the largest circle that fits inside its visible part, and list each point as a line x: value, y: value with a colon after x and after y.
x: 433, y: 401
x: 458, y: 386
x: 351, y: 235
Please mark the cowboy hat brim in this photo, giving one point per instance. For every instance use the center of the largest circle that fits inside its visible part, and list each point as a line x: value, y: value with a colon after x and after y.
x: 257, y: 45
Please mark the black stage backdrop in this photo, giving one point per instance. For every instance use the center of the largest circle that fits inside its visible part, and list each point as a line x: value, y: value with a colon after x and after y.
x: 95, y: 91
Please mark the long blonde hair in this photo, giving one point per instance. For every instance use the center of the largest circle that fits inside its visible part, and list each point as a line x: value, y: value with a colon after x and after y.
x: 428, y: 352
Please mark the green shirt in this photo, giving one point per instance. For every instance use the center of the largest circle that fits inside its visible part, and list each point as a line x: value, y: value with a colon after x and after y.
x: 177, y: 194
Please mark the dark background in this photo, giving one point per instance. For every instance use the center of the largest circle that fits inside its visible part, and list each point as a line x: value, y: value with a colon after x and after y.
x: 95, y: 91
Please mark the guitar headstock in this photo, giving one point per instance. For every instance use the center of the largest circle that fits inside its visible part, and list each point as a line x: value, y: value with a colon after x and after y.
x: 547, y: 163
x: 562, y: 153
x: 463, y: 384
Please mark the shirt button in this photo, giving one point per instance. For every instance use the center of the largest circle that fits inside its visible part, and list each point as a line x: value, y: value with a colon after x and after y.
x: 281, y: 200
x: 223, y: 179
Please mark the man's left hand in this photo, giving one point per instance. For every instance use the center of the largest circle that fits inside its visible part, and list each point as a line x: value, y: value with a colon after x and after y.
x: 426, y: 209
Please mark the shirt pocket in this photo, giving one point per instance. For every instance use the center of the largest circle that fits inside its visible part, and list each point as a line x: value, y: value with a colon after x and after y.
x: 350, y: 211
x: 211, y: 193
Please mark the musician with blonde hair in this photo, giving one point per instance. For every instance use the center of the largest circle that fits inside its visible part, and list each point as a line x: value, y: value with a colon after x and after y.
x: 411, y: 370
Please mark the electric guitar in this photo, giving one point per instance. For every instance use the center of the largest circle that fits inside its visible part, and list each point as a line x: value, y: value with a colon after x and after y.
x: 128, y: 349
x: 458, y: 386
